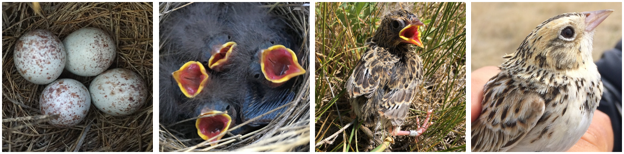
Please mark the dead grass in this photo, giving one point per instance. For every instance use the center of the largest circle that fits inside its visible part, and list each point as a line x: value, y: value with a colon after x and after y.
x: 24, y: 128
x: 288, y: 132
x: 499, y: 28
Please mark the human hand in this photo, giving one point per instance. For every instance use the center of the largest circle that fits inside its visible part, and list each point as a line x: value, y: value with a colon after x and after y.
x: 599, y: 136
x: 477, y: 81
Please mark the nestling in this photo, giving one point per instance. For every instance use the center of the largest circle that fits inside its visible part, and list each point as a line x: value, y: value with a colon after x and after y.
x: 240, y: 64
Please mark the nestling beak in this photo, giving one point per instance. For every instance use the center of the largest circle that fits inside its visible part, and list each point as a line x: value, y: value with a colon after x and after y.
x: 221, y: 56
x: 279, y: 64
x: 191, y: 78
x: 594, y: 18
x: 211, y: 124
x: 411, y: 33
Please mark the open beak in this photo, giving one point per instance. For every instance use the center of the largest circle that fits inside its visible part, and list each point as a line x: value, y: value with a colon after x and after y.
x: 191, y: 78
x: 411, y: 33
x: 279, y: 64
x: 221, y: 56
x: 213, y: 125
x: 594, y: 18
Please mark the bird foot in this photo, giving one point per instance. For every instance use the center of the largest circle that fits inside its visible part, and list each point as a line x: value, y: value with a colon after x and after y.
x: 419, y: 128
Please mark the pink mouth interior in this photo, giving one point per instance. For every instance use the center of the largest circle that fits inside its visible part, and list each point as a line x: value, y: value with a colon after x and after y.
x: 220, y: 55
x: 411, y: 33
x: 212, y: 126
x: 278, y: 64
x: 191, y: 78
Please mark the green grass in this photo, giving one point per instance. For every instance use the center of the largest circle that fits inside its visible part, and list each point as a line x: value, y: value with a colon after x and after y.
x: 341, y: 31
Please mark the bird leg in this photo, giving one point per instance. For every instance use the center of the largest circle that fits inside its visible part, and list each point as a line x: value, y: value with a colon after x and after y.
x: 419, y: 128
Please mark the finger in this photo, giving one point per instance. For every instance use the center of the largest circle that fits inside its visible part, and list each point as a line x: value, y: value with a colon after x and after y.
x: 478, y: 80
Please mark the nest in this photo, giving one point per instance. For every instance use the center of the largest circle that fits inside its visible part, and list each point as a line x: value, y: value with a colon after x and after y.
x: 288, y: 132
x: 24, y: 128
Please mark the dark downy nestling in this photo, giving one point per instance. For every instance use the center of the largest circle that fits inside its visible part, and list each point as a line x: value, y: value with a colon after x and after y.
x: 189, y: 44
x: 272, y: 64
x: 385, y: 80
x: 241, y: 64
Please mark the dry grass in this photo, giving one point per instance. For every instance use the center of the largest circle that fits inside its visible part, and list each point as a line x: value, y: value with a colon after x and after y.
x: 24, y: 128
x: 499, y: 28
x: 288, y: 132
x: 340, y: 35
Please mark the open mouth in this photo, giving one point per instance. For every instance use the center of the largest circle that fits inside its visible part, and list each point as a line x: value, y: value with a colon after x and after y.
x: 411, y: 34
x: 220, y: 58
x: 191, y: 78
x: 279, y: 64
x: 213, y: 125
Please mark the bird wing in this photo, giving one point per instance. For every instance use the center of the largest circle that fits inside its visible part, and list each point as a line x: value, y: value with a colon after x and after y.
x: 370, y: 72
x: 499, y: 128
x: 402, y: 89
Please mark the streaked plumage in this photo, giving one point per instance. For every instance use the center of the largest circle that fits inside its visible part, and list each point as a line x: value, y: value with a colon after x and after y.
x: 547, y: 91
x: 385, y: 80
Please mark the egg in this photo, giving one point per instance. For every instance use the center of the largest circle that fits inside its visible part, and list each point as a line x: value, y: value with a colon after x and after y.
x: 67, y: 98
x: 90, y: 51
x: 118, y: 92
x: 39, y: 56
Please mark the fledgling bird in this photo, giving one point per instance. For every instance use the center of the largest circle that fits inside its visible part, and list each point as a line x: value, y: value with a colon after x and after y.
x: 545, y: 96
x: 385, y: 80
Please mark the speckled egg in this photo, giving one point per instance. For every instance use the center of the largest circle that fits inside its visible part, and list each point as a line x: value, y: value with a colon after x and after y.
x: 118, y: 92
x: 39, y: 56
x: 90, y: 51
x: 67, y: 98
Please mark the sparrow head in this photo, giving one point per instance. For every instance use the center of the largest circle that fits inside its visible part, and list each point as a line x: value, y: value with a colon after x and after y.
x: 399, y: 27
x: 276, y: 64
x: 563, y: 42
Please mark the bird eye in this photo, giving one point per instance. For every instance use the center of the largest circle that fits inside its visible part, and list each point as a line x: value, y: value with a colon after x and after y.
x: 272, y: 42
x: 229, y: 37
x: 567, y: 32
x: 256, y: 75
x: 396, y: 24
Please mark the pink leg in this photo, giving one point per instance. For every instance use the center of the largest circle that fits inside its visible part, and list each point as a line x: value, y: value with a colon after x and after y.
x: 419, y: 129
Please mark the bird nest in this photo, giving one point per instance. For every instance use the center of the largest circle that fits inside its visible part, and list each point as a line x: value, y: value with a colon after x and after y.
x: 24, y: 128
x: 288, y: 132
